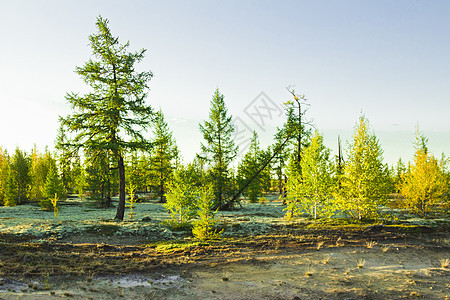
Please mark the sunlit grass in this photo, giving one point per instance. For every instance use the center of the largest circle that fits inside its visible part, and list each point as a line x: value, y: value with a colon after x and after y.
x: 360, y: 263
x: 326, y: 259
x: 309, y: 271
x: 370, y: 244
x: 319, y: 245
x: 445, y: 262
x: 385, y: 248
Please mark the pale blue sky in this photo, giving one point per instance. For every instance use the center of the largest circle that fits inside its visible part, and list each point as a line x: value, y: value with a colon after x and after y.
x: 388, y: 59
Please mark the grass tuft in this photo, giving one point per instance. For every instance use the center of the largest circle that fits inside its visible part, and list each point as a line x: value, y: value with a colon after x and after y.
x: 326, y: 259
x: 444, y: 263
x: 309, y: 271
x: 370, y: 244
x: 360, y: 263
x: 319, y: 245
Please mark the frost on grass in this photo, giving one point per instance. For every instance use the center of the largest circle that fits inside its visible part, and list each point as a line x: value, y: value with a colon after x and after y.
x: 252, y: 219
x: 76, y: 218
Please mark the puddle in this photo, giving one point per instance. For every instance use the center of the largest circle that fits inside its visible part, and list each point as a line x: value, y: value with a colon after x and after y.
x: 136, y: 280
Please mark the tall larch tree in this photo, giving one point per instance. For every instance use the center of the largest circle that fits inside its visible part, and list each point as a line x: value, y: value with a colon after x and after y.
x: 114, y: 115
x: 280, y: 160
x: 4, y: 168
x: 40, y: 165
x: 312, y: 192
x: 250, y: 163
x: 365, y: 182
x: 219, y: 150
x: 426, y: 183
x: 163, y: 156
x: 19, y: 178
x: 297, y: 128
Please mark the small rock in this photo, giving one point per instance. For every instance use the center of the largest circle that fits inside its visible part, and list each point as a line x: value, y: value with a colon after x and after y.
x: 146, y: 219
x: 2, y: 281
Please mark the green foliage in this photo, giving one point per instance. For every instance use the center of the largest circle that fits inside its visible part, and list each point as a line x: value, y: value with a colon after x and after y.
x: 40, y: 165
x: 10, y: 193
x: 163, y: 155
x: 262, y: 200
x: 365, y: 183
x: 219, y: 150
x: 137, y: 170
x: 250, y: 163
x: 204, y: 225
x: 4, y: 169
x: 426, y: 184
x: 312, y: 192
x: 114, y: 115
x: 399, y: 175
x: 53, y: 184
x: 53, y: 189
x: 18, y: 178
x: 55, y: 205
x: 181, y: 198
x: 99, y: 177
x: 78, y: 177
x: 281, y: 158
x: 131, y: 188
x: 296, y: 129
x: 195, y: 171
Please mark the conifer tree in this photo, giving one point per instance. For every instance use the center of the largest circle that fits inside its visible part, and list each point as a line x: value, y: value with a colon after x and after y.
x: 312, y: 192
x: 280, y: 160
x: 10, y: 193
x: 249, y: 164
x: 163, y: 155
x: 64, y: 158
x: 18, y: 181
x: 99, y: 179
x: 296, y: 126
x: 53, y: 188
x: 53, y: 184
x: 426, y: 183
x: 219, y: 150
x: 4, y: 167
x: 40, y: 165
x: 365, y: 181
x: 181, y: 199
x: 114, y: 115
x: 399, y: 175
x: 78, y: 177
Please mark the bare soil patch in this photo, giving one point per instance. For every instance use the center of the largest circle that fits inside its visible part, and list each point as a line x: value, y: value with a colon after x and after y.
x: 293, y: 262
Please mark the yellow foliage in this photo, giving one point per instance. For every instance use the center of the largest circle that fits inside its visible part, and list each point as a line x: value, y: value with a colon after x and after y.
x: 425, y: 184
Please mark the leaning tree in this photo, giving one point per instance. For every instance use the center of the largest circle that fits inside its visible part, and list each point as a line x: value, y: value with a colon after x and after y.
x: 112, y: 117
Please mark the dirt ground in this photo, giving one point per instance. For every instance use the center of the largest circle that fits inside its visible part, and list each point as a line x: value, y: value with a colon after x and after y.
x: 385, y: 262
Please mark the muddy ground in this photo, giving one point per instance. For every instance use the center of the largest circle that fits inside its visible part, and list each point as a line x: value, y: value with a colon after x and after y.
x: 293, y: 262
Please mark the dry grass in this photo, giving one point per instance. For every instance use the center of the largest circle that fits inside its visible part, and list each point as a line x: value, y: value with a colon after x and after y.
x: 319, y: 245
x: 309, y: 271
x: 444, y: 263
x: 385, y: 248
x: 326, y: 259
x: 370, y: 244
x: 360, y: 263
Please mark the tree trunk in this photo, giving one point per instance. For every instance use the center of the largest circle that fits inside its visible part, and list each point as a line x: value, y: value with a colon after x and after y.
x: 121, y: 206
